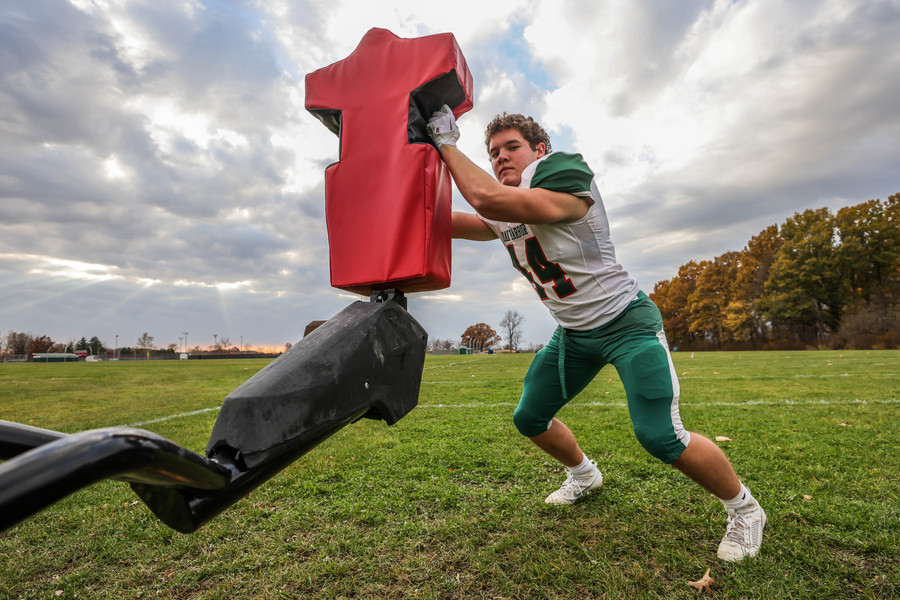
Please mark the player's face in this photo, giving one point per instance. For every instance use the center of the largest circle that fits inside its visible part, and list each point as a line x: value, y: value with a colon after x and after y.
x: 510, y: 154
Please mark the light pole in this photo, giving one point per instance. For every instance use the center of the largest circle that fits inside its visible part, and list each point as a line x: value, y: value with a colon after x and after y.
x: 215, y: 341
x: 116, y: 351
x: 185, y: 341
x: 242, y: 343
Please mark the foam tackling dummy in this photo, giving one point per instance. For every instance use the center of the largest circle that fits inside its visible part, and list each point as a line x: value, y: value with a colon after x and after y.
x: 387, y: 199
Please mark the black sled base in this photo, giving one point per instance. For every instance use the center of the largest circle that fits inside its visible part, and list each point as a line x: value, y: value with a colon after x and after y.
x: 364, y: 362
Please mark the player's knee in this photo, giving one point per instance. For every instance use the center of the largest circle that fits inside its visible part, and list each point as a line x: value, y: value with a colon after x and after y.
x: 528, y: 422
x: 663, y: 445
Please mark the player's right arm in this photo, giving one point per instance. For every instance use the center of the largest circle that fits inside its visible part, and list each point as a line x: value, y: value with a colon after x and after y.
x: 469, y: 226
x: 492, y: 199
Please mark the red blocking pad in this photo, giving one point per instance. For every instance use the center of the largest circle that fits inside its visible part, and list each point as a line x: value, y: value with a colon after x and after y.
x: 387, y: 200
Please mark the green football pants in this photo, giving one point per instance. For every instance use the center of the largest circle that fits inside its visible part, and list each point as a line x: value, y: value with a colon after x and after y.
x: 635, y: 344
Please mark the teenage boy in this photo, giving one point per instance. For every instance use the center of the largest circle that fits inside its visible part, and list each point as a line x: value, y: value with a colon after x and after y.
x: 546, y: 209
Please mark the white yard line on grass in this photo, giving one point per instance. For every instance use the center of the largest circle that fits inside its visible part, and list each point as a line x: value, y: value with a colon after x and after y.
x: 459, y: 383
x: 732, y: 377
x: 796, y: 376
x: 190, y: 413
x: 460, y: 362
x: 746, y: 403
x: 575, y: 404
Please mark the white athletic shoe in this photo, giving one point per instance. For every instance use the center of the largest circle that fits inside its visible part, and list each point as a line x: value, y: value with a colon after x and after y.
x: 744, y: 534
x: 572, y: 489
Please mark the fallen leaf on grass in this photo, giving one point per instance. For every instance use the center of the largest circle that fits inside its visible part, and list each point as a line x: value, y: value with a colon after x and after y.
x: 846, y: 425
x: 722, y: 438
x: 807, y: 497
x: 704, y: 583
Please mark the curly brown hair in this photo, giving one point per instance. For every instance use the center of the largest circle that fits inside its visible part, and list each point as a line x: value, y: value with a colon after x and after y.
x: 530, y: 129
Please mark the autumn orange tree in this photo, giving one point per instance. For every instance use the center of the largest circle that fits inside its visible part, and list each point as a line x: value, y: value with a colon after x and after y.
x: 480, y: 336
x: 712, y: 296
x: 671, y: 295
x: 40, y: 344
x: 745, y: 318
x: 793, y: 286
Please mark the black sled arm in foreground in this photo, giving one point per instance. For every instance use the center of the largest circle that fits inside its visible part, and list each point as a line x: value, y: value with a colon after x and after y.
x: 366, y: 361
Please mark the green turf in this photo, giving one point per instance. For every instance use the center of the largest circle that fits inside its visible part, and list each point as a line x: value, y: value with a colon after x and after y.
x: 448, y: 503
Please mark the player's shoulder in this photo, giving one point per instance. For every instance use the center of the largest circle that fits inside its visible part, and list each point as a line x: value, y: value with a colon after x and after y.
x: 563, y: 160
x: 561, y: 172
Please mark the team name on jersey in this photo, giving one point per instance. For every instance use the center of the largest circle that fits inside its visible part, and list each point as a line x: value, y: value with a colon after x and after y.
x: 514, y: 233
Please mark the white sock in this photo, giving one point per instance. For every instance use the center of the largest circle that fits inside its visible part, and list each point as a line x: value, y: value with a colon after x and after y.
x: 583, y: 469
x: 743, y: 498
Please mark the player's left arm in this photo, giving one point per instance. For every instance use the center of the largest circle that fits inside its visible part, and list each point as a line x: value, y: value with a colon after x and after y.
x: 468, y: 226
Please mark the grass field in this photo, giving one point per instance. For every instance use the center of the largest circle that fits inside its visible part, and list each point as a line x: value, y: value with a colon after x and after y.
x: 448, y: 503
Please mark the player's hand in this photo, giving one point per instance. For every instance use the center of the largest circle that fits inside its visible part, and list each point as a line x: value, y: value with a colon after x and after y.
x: 442, y: 128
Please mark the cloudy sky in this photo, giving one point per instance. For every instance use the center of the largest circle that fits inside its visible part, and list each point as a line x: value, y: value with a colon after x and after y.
x: 159, y: 173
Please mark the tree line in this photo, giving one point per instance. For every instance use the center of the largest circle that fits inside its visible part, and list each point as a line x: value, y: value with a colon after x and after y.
x: 21, y: 346
x: 481, y: 336
x: 821, y: 280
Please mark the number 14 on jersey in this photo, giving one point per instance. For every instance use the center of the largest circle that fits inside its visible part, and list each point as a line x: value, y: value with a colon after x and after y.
x: 545, y: 270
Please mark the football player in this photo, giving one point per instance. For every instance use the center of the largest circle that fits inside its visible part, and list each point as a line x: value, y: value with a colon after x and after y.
x: 547, y: 212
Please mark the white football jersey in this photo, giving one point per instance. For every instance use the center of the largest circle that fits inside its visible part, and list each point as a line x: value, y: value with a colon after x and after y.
x: 572, y: 266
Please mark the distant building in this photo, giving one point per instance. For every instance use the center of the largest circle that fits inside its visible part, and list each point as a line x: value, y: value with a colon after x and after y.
x: 313, y: 325
x: 55, y: 357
